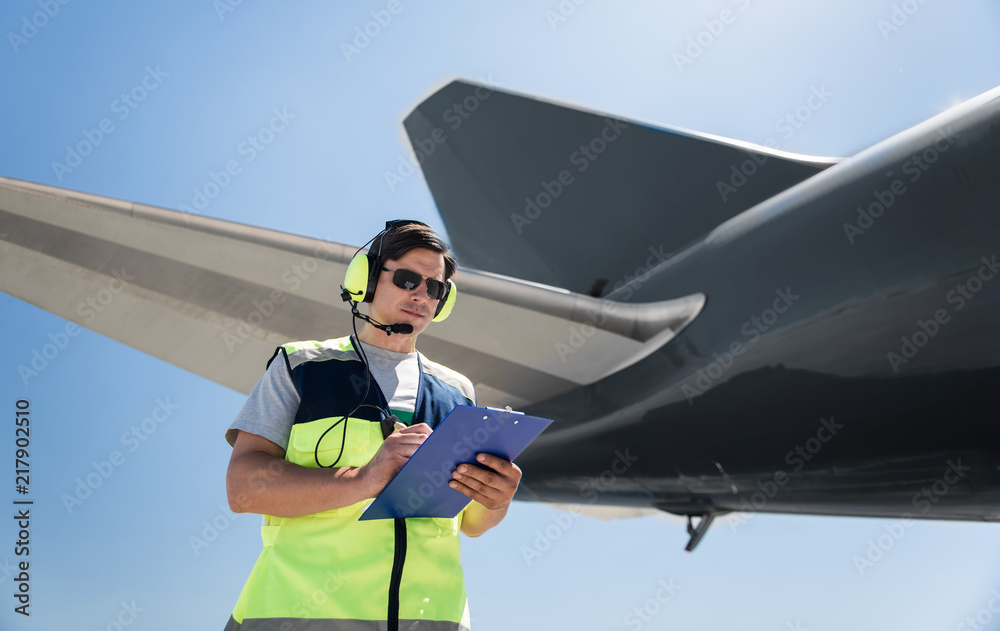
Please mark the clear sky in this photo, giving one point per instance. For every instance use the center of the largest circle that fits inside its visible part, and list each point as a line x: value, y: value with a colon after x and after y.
x: 152, y: 543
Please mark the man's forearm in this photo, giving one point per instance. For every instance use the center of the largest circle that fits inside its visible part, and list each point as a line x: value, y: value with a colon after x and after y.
x: 262, y: 483
x: 478, y: 519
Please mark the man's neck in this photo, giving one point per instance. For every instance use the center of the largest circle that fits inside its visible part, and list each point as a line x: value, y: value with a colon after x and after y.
x: 396, y: 342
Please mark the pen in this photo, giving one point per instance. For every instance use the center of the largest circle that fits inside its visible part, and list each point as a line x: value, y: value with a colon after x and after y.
x: 398, y: 425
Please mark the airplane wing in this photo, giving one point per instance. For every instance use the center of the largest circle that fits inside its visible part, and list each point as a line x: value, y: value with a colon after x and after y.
x: 577, y: 199
x: 215, y: 297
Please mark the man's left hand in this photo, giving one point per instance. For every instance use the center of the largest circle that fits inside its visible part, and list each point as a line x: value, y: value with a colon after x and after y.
x: 491, y: 488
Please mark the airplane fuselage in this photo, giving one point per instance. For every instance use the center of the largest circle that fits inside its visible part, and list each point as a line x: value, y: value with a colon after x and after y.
x: 847, y: 360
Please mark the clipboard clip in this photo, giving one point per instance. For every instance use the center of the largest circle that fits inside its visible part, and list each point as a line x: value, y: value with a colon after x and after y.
x: 508, y: 410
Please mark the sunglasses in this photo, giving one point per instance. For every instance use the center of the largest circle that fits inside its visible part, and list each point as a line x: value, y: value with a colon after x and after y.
x: 410, y: 280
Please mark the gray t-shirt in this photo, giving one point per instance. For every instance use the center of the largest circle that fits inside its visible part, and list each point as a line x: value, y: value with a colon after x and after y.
x: 270, y: 409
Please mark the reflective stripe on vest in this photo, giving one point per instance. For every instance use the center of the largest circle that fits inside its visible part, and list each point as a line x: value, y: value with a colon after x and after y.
x: 329, y: 570
x: 298, y: 624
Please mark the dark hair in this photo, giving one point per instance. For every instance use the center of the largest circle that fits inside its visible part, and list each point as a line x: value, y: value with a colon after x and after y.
x: 400, y: 240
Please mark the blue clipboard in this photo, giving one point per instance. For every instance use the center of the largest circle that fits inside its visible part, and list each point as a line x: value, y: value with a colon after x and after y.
x: 420, y: 488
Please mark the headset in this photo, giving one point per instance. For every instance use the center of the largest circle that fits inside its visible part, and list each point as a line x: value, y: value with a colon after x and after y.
x: 364, y: 270
x: 359, y: 286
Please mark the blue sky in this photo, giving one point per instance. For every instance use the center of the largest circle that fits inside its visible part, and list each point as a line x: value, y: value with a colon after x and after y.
x: 186, y: 88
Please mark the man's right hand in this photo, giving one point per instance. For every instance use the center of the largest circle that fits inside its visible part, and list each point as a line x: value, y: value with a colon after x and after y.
x: 392, y: 455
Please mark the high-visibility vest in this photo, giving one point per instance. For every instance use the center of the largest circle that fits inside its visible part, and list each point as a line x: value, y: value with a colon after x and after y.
x: 329, y: 570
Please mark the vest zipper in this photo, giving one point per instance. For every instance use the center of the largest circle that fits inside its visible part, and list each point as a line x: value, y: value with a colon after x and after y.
x: 398, y: 558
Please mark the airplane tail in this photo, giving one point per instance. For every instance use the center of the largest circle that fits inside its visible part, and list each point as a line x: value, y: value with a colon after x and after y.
x: 577, y: 199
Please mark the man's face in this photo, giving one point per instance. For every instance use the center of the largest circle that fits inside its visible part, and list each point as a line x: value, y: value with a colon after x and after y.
x: 393, y: 305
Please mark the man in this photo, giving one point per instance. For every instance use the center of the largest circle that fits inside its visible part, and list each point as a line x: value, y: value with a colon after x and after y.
x: 309, y: 453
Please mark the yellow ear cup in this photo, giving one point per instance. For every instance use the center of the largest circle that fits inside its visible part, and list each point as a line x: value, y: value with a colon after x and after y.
x: 446, y: 305
x: 357, y: 276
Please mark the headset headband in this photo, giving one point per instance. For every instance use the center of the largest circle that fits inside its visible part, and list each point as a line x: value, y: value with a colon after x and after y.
x: 395, y: 224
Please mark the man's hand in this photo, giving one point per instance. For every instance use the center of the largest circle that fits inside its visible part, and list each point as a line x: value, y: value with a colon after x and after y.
x: 392, y: 455
x: 493, y: 489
